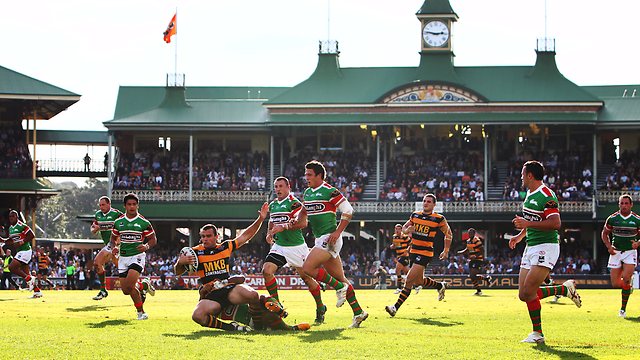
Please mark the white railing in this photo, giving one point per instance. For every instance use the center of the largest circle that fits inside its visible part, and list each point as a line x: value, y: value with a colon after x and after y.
x: 359, y: 207
x: 613, y: 195
x: 70, y: 165
x: 198, y: 195
x: 467, y: 207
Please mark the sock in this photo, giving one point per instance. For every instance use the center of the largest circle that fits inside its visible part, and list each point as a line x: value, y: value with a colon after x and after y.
x: 403, y: 296
x: 328, y: 279
x: 626, y: 292
x: 272, y: 288
x: 141, y: 286
x: 102, y: 276
x: 353, y: 302
x: 216, y: 323
x: 27, y: 278
x: 399, y: 282
x: 430, y: 283
x: 534, y: 313
x: 138, y: 306
x: 546, y: 291
x: 317, y: 297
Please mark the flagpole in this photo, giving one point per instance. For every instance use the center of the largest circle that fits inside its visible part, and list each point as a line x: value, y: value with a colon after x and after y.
x: 175, y: 50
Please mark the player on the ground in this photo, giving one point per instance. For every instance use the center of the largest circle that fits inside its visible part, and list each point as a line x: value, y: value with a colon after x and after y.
x: 258, y: 317
x: 44, y: 263
x: 400, y: 243
x: 21, y: 235
x: 103, y: 223
x: 475, y: 250
x: 218, y: 289
x: 620, y: 236
x: 423, y: 227
x: 288, y: 246
x: 321, y: 202
x: 539, y: 225
x: 131, y: 237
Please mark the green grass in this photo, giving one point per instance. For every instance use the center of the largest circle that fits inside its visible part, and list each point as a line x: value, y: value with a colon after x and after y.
x: 68, y: 324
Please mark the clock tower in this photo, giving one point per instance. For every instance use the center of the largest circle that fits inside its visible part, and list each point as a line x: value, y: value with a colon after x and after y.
x: 436, y: 20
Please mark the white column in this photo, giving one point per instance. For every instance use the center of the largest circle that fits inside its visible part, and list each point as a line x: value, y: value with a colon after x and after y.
x: 190, y: 167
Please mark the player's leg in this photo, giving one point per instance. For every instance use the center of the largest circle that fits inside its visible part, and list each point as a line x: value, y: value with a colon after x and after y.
x: 528, y: 284
x: 616, y: 276
x: 19, y: 266
x: 205, y: 314
x: 129, y: 269
x: 274, y: 261
x: 627, y: 272
x: 268, y: 272
x: 334, y: 267
x: 474, y: 272
x: 313, y: 267
x: 399, y: 270
x: 102, y: 258
x: 314, y: 289
x: 414, y: 276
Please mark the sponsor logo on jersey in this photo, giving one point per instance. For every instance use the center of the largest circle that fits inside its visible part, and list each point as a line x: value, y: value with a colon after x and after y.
x: 533, y: 201
x: 314, y: 207
x: 531, y: 217
x: 279, y: 219
x: 130, y: 237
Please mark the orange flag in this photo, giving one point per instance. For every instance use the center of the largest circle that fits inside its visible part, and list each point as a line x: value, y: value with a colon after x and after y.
x: 172, y: 29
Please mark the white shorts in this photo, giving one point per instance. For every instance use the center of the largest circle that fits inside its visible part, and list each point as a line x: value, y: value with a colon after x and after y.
x: 127, y: 262
x: 24, y: 256
x: 541, y: 255
x: 334, y: 250
x: 623, y: 257
x: 295, y: 255
x: 107, y: 248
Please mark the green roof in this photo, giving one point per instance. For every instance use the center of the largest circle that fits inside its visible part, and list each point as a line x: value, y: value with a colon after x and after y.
x: 439, y: 118
x: 435, y: 7
x: 185, y: 109
x: 26, y: 186
x: 331, y: 84
x: 621, y: 104
x: 22, y: 94
x: 72, y: 137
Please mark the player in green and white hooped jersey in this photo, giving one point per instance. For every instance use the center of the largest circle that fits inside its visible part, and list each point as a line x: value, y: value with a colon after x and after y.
x: 287, y: 243
x: 321, y: 201
x: 131, y: 237
x: 620, y: 236
x: 103, y: 223
x: 539, y: 224
x: 21, y: 235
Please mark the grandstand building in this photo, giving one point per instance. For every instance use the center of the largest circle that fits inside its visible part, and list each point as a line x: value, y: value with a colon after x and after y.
x: 387, y: 135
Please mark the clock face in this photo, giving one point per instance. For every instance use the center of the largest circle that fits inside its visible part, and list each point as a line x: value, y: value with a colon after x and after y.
x: 435, y: 33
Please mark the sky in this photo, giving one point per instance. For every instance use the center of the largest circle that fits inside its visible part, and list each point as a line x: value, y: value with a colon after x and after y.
x: 92, y: 47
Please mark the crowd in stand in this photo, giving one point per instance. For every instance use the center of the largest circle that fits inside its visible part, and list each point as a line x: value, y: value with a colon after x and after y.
x: 625, y: 173
x: 568, y: 173
x: 15, y: 159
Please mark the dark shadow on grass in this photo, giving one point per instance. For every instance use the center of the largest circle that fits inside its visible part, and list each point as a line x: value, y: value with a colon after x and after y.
x: 200, y: 334
x: 563, y: 354
x: 559, y: 303
x: 104, y: 324
x: 92, y: 308
x: 634, y: 319
x: 314, y: 336
x: 432, y: 322
x: 8, y: 299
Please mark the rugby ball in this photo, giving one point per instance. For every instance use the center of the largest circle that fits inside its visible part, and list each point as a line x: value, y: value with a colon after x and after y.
x: 187, y: 251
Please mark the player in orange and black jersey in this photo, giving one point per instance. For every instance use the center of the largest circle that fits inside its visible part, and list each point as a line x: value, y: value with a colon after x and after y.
x: 43, y: 269
x: 217, y: 288
x: 424, y: 227
x: 400, y: 243
x: 475, y: 250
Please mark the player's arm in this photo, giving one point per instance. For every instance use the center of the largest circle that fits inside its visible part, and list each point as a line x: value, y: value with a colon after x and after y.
x: 604, y: 235
x: 95, y: 227
x: 407, y: 228
x: 113, y: 243
x: 463, y: 250
x: 516, y: 239
x: 300, y: 218
x: 251, y: 231
x: 180, y: 266
x: 269, y: 237
x: 28, y: 236
x: 448, y: 235
x: 151, y: 242
x: 347, y: 213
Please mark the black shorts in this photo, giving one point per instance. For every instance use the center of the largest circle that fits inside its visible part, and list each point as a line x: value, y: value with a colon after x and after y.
x: 420, y: 259
x: 403, y: 260
x: 476, y: 264
x: 221, y: 296
x: 44, y: 272
x: 277, y: 259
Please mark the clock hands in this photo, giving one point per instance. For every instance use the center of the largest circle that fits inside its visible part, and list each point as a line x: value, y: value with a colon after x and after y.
x: 435, y: 33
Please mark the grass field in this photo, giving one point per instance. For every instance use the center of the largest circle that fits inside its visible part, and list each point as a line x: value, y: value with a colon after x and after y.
x: 68, y: 324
